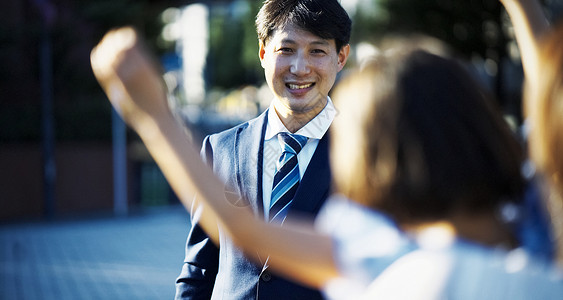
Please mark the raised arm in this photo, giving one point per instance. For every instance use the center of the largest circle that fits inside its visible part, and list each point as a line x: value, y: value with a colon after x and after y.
x: 134, y: 87
x: 530, y: 23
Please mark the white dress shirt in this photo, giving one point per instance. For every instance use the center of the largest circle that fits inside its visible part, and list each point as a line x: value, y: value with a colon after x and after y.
x: 314, y: 130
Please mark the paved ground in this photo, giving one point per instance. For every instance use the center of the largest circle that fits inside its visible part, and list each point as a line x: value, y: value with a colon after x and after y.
x: 133, y: 257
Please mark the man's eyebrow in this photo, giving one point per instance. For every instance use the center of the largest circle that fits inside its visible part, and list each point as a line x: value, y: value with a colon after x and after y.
x: 321, y: 42
x: 316, y: 42
x: 288, y: 41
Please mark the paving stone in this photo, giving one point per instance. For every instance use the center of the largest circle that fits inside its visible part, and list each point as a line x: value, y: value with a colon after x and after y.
x: 133, y: 257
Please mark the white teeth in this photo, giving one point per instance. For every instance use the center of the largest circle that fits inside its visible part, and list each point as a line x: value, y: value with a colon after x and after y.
x: 296, y: 87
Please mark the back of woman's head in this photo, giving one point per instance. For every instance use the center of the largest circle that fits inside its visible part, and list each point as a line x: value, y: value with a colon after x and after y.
x: 418, y: 138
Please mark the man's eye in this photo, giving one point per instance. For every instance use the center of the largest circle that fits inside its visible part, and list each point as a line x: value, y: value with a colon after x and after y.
x: 285, y: 50
x: 318, y: 51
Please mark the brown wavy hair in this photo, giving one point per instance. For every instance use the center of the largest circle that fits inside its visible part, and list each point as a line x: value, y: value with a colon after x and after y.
x: 545, y: 109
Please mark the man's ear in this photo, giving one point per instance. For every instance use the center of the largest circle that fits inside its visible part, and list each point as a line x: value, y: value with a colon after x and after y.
x: 261, y: 52
x: 343, y: 56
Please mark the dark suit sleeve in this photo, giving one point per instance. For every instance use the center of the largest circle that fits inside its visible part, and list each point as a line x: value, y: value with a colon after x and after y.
x: 202, y: 256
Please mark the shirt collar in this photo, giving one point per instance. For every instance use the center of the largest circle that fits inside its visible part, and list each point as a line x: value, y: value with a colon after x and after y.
x: 315, y: 129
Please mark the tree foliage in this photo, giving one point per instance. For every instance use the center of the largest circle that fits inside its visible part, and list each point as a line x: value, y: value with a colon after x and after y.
x: 470, y: 26
x: 70, y: 29
x: 233, y: 58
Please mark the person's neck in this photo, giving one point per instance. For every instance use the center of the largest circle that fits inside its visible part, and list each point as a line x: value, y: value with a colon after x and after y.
x: 295, y: 120
x: 485, y: 228
x: 482, y: 228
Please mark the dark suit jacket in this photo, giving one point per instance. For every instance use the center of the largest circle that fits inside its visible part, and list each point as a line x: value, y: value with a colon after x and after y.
x: 236, y: 156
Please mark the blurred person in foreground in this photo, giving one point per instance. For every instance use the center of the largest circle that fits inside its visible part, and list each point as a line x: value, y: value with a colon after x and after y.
x: 303, y: 44
x: 541, y: 49
x: 422, y: 161
x: 459, y: 165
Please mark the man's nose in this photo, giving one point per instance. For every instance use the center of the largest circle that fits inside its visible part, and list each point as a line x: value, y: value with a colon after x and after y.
x: 300, y: 64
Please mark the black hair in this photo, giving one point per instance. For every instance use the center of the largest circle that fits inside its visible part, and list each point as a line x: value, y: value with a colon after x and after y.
x: 326, y: 19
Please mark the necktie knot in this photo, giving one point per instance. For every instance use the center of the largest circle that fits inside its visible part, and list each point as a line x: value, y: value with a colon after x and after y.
x: 292, y: 143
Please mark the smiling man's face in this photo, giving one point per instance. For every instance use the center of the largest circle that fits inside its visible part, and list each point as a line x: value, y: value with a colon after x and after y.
x: 300, y: 69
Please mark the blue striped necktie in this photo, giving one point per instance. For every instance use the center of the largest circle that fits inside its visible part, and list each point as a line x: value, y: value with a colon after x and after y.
x: 286, y: 179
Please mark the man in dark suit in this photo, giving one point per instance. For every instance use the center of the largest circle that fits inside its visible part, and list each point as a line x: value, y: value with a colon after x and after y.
x: 303, y: 45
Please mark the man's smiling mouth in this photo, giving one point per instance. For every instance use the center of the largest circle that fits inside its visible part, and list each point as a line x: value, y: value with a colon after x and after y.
x: 298, y: 86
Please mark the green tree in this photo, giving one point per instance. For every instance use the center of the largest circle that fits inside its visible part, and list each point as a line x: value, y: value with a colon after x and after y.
x: 74, y: 28
x: 233, y: 47
x: 470, y: 27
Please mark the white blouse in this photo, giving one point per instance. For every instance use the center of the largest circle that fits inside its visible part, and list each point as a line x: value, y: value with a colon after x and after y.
x: 378, y: 261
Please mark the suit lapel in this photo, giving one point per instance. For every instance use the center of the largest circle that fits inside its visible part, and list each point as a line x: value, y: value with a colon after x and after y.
x: 249, y: 146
